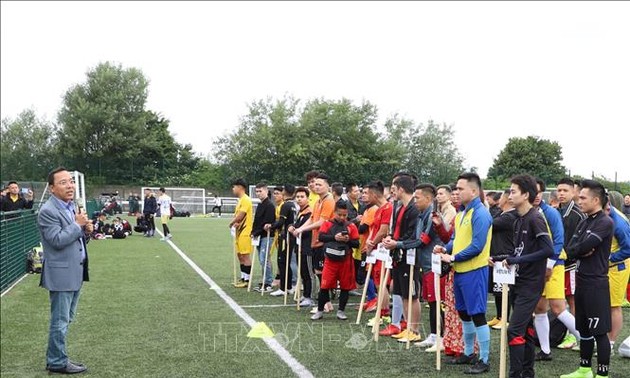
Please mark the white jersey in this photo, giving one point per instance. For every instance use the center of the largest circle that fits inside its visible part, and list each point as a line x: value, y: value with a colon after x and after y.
x: 164, y: 202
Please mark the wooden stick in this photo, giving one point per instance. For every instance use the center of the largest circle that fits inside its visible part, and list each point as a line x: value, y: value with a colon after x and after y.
x: 251, y: 273
x: 409, y: 305
x: 286, y: 270
x: 504, y: 308
x: 262, y: 287
x: 235, y: 257
x: 438, y: 321
x: 381, y: 293
x: 298, y: 284
x: 365, y: 286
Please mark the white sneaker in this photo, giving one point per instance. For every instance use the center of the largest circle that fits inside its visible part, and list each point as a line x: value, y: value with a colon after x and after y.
x: 433, y: 349
x: 314, y: 310
x: 306, y: 302
x: 291, y: 290
x: 163, y: 239
x: 277, y: 293
x: 428, y: 342
x: 169, y: 237
x: 318, y: 315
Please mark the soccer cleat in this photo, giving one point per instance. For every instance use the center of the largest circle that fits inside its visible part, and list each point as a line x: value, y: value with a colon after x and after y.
x: 390, y: 330
x: 499, y: 325
x: 493, y: 321
x: 241, y: 283
x: 463, y: 359
x: 582, y: 372
x: 371, y: 305
x: 384, y: 320
x: 625, y: 303
x: 341, y: 315
x: 163, y: 239
x: 318, y: 315
x: 433, y: 348
x: 542, y: 356
x: 428, y: 342
x: 306, y: 302
x: 169, y: 237
x: 314, y: 310
x: 478, y: 368
x: 401, y: 334
x: 411, y: 336
x: 277, y: 293
x: 568, y: 342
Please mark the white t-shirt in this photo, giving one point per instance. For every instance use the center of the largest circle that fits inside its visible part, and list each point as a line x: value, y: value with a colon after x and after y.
x: 164, y: 202
x: 217, y: 201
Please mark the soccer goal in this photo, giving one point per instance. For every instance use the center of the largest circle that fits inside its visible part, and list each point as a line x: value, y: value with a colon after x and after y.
x: 192, y: 200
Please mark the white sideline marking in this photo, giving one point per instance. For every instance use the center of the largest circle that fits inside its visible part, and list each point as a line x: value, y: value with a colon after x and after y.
x: 273, y: 344
x: 286, y: 305
x: 12, y: 286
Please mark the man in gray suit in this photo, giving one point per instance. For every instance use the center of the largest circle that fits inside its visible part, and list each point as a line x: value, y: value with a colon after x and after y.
x: 64, y: 236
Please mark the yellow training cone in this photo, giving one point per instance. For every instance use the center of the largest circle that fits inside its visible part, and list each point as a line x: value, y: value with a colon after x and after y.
x: 260, y: 330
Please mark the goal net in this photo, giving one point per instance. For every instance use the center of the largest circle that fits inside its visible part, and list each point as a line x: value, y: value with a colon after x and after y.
x: 192, y: 200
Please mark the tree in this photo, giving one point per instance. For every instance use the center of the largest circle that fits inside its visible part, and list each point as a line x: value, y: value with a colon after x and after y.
x: 26, y: 147
x: 531, y: 155
x: 428, y: 151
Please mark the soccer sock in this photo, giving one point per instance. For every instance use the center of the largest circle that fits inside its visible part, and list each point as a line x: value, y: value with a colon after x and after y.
x: 569, y: 321
x: 397, y: 310
x: 468, y: 327
x: 323, y: 298
x: 483, y: 337
x: 242, y: 271
x: 432, y: 317
x: 247, y: 269
x: 541, y: 323
x: 586, y: 351
x: 603, y: 354
x: 371, y: 291
x: 498, y: 300
x: 343, y: 299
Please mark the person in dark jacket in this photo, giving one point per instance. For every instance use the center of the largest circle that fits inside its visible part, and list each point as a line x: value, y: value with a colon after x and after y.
x: 14, y: 200
x: 148, y: 210
x: 265, y: 215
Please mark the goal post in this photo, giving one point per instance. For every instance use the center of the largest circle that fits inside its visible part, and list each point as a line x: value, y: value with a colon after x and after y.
x: 192, y: 200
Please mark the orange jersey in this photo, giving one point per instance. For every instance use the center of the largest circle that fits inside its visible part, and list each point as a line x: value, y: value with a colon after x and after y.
x: 324, y: 209
x: 368, y: 218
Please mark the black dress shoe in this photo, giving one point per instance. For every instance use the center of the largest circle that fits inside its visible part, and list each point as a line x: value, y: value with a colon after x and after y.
x: 70, y: 368
x: 478, y: 368
x: 542, y: 356
x: 464, y: 359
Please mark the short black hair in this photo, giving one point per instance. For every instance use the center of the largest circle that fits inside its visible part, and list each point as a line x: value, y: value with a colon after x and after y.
x: 311, y: 175
x: 162, y: 190
x: 302, y: 189
x: 323, y: 176
x: 427, y: 189
x: 289, y: 189
x: 445, y: 187
x: 51, y: 174
x: 337, y: 188
x: 471, y: 177
x: 597, y: 189
x: 261, y: 184
x: 497, y: 196
x: 376, y: 186
x: 341, y: 205
x: 240, y: 182
x: 349, y: 186
x: 566, y: 181
x: 11, y: 182
x: 541, y: 183
x: 278, y: 188
x: 405, y: 182
x: 527, y: 184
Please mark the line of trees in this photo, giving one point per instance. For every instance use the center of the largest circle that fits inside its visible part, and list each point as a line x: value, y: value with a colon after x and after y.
x: 105, y: 130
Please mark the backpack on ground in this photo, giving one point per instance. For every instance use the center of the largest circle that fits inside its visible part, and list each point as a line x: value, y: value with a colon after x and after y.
x: 557, y: 331
x: 34, y: 260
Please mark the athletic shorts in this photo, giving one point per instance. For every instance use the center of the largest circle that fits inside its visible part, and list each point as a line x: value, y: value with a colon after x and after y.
x: 401, y: 277
x: 428, y: 287
x: 243, y: 245
x: 318, y: 258
x: 569, y: 283
x: 618, y: 276
x: 471, y: 291
x: 376, y: 273
x: 554, y: 288
x: 164, y: 219
x: 338, y: 271
x: 592, y: 309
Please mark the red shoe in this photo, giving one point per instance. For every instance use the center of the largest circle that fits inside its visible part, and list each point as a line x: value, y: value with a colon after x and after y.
x: 449, y: 352
x: 403, y: 324
x: 390, y: 330
x: 370, y: 305
x: 385, y: 312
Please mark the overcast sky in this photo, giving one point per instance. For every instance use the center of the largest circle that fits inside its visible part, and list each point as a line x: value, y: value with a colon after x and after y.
x: 493, y: 70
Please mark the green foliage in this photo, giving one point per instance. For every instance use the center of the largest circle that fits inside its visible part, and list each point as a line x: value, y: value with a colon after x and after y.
x: 26, y: 148
x: 532, y: 155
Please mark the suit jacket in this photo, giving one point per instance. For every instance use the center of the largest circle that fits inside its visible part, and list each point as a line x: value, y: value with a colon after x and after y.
x: 62, y: 240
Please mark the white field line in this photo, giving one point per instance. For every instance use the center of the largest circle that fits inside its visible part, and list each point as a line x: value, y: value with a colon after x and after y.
x: 273, y: 344
x: 12, y: 286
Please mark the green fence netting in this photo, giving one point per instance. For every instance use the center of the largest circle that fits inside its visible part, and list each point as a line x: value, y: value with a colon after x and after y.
x: 18, y: 235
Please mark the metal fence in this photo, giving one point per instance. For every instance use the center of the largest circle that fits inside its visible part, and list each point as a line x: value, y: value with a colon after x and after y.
x: 18, y: 235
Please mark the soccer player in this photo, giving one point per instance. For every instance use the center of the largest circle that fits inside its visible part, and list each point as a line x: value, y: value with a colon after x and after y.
x: 148, y: 211
x: 590, y: 246
x: 532, y: 249
x: 404, y: 230
x: 265, y: 215
x: 164, y: 201
x: 571, y: 216
x: 554, y: 295
x: 313, y: 197
x: 306, y: 265
x: 324, y: 210
x: 286, y: 217
x: 364, y: 232
x: 470, y: 248
x: 243, y: 221
x: 619, y: 269
x: 445, y: 207
x: 353, y: 192
x: 502, y: 243
x: 338, y: 237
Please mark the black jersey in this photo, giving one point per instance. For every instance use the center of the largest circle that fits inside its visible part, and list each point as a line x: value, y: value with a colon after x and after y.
x: 533, y: 247
x: 502, y: 242
x: 590, y: 245
x: 571, y: 216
